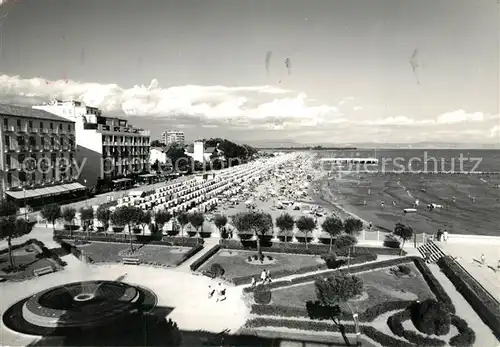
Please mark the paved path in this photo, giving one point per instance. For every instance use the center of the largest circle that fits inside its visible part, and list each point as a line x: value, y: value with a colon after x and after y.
x: 209, y: 243
x: 484, y: 336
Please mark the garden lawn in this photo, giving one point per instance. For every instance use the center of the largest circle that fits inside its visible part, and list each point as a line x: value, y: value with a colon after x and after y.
x: 380, y: 286
x: 108, y: 252
x: 236, y: 265
x: 25, y: 261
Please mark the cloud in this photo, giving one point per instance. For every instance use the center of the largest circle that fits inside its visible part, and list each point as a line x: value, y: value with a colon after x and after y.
x: 460, y: 116
x: 254, y: 112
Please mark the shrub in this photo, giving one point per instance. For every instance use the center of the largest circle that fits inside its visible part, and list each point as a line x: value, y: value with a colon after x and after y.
x: 373, y: 312
x: 404, y: 269
x: 269, y: 257
x: 383, y: 339
x: 431, y: 317
x: 262, y: 295
x: 217, y: 270
x: 466, y: 336
x: 395, y: 323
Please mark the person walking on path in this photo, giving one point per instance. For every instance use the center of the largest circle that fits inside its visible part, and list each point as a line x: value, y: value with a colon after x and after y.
x: 221, y: 292
x: 268, y: 276
x: 254, y: 283
x: 483, y: 259
x: 263, y: 276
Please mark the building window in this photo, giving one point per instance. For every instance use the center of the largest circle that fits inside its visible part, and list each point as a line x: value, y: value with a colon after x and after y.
x: 42, y: 141
x: 18, y: 122
x: 5, y: 122
x: 7, y: 141
x: 41, y: 125
x: 69, y: 126
x: 51, y: 125
x: 30, y: 124
x: 52, y: 141
x: 60, y: 126
x: 9, y: 178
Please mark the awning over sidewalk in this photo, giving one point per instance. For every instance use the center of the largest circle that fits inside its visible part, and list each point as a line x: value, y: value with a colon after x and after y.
x: 47, y: 191
x: 122, y: 180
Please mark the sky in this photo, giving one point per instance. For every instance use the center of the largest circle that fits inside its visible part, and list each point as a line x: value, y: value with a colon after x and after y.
x: 359, y: 71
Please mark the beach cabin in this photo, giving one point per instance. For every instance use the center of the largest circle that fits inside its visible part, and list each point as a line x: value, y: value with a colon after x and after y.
x: 409, y: 210
x: 134, y: 194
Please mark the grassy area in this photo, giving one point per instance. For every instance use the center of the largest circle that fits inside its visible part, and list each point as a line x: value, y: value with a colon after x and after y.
x: 26, y: 259
x: 108, y: 252
x: 235, y: 265
x: 380, y: 286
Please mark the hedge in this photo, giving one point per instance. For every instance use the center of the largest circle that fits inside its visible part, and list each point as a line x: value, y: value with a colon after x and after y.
x: 198, y: 262
x: 432, y: 282
x: 368, y: 315
x: 189, y: 254
x: 466, y: 336
x: 72, y: 249
x: 313, y: 249
x: 125, y: 238
x: 395, y: 323
x: 357, y: 259
x: 481, y: 301
x: 374, y: 334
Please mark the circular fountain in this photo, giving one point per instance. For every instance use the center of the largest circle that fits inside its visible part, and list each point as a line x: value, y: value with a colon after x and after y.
x: 78, y: 305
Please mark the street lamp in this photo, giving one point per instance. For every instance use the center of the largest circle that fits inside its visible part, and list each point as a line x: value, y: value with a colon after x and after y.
x: 86, y: 193
x: 25, y: 207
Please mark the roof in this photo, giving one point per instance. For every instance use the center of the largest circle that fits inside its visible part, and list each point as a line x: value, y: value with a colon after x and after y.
x: 161, y: 149
x: 190, y: 148
x: 210, y: 149
x: 28, y: 112
x: 38, y: 192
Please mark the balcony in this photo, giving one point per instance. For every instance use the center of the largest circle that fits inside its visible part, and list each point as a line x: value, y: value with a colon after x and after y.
x: 33, y: 130
x: 44, y: 131
x: 65, y: 148
x: 8, y: 128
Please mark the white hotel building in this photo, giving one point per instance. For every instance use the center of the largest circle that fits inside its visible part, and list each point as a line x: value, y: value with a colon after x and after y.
x: 170, y: 137
x: 108, y: 149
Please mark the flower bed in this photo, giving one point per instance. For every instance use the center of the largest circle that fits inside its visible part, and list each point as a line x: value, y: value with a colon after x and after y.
x: 143, y: 239
x: 313, y: 249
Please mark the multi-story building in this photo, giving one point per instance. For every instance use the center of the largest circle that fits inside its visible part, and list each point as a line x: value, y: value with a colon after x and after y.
x: 37, y: 156
x: 108, y: 149
x: 170, y: 137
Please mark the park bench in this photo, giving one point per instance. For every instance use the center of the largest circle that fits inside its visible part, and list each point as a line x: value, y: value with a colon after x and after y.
x: 131, y: 261
x: 43, y: 271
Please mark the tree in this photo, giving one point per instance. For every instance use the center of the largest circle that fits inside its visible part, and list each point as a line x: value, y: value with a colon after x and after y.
x: 103, y: 215
x: 87, y: 215
x: 68, y: 214
x: 333, y: 226
x: 156, y: 143
x: 285, y: 224
x: 333, y: 291
x: 51, y: 212
x: 259, y: 223
x: 182, y: 219
x: 405, y: 232
x: 11, y: 227
x: 306, y: 225
x: 431, y: 317
x: 353, y: 226
x: 162, y: 217
x: 220, y: 222
x: 196, y: 219
x: 126, y: 215
x: 345, y: 241
x: 155, y: 166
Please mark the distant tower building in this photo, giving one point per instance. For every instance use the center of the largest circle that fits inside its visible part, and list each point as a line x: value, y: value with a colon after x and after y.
x: 172, y: 136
